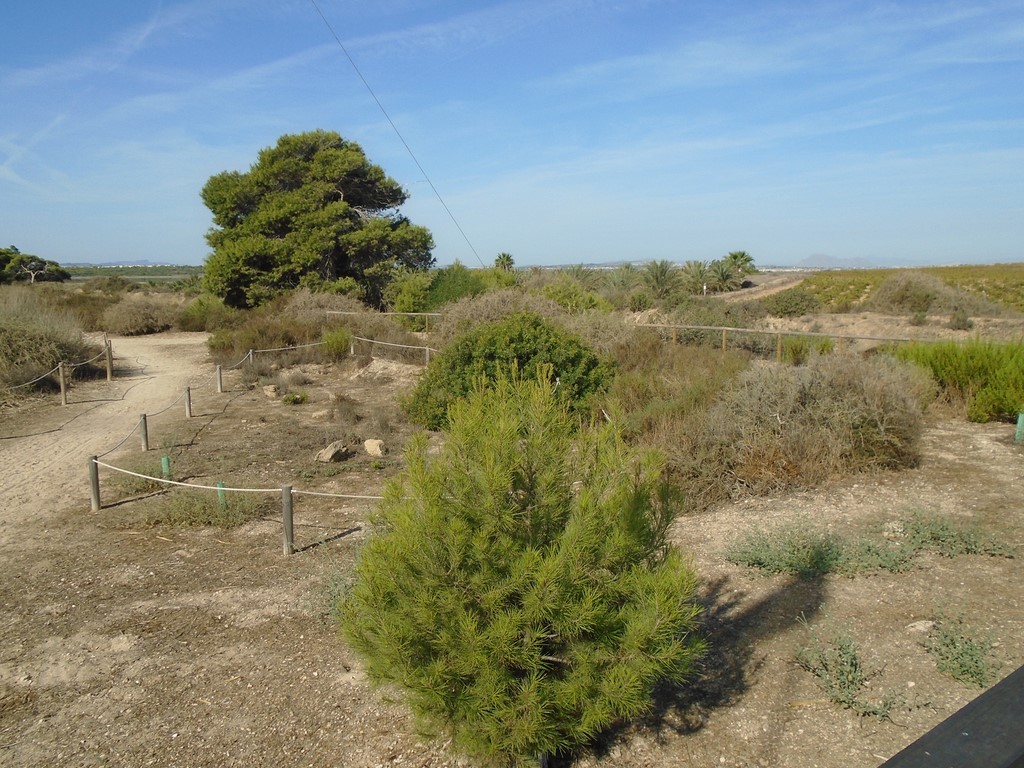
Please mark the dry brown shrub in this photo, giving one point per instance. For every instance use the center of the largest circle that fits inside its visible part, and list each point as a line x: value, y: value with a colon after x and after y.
x: 311, y: 308
x: 490, y: 308
x: 909, y: 293
x: 140, y: 314
x: 781, y: 428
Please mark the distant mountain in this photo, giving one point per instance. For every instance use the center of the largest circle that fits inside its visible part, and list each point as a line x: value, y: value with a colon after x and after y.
x: 823, y: 261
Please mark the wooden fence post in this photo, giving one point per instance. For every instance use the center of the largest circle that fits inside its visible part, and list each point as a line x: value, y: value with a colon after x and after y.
x: 725, y: 339
x: 145, y: 432
x: 778, y: 349
x: 94, y: 483
x: 188, y: 402
x: 286, y: 506
x: 63, y: 384
x: 220, y: 381
x: 110, y: 361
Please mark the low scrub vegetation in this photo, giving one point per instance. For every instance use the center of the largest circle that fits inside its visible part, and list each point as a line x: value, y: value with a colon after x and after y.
x: 983, y: 378
x: 35, y: 337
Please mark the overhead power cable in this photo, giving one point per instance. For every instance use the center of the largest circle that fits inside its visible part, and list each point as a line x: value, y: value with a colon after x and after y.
x: 397, y: 132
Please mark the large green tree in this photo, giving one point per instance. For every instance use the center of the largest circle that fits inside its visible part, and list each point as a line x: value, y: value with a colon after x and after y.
x: 313, y: 205
x: 18, y: 266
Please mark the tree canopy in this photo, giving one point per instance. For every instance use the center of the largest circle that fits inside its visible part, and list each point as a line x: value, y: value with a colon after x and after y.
x: 312, y: 208
x: 18, y: 266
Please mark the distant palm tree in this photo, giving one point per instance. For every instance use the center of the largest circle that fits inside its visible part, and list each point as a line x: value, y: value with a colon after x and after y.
x: 662, y: 277
x: 623, y: 278
x: 695, y: 276
x: 585, y: 276
x: 504, y: 261
x: 722, y: 277
x: 742, y: 262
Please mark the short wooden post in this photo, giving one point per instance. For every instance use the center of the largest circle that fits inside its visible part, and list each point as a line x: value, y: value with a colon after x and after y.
x: 94, y: 483
x: 428, y: 355
x: 286, y: 506
x: 144, y: 429
x: 839, y: 343
x: 675, y: 335
x: 220, y: 381
x: 352, y: 348
x: 110, y: 361
x: 725, y: 339
x: 63, y: 384
x: 188, y: 402
x: 778, y: 349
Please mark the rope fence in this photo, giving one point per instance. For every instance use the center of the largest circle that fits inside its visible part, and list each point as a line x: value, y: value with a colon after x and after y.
x: 727, y: 332
x: 287, y: 495
x: 63, y: 367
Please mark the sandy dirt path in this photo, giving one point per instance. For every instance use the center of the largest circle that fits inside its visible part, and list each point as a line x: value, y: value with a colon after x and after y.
x: 44, y: 451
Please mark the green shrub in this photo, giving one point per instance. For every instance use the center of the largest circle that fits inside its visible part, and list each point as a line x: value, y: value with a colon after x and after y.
x: 986, y: 378
x: 519, y: 586
x: 793, y: 302
x: 337, y: 343
x: 573, y: 297
x: 797, y: 350
x: 453, y: 283
x: 657, y: 385
x: 206, y: 313
x: 523, y: 342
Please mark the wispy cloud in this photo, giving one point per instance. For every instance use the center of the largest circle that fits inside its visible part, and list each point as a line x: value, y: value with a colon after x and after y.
x: 121, y: 48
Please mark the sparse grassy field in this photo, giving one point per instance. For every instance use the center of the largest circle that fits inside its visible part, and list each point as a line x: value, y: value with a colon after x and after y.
x: 850, y: 289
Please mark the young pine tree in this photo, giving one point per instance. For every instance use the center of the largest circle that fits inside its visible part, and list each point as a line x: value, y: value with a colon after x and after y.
x: 519, y: 585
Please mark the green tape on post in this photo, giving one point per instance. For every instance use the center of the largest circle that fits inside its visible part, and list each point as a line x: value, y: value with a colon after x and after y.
x: 165, y: 466
x: 222, y: 497
x: 1020, y: 428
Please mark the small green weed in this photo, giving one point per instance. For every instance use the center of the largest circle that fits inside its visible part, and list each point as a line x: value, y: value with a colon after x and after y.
x: 203, y: 509
x: 960, y: 652
x: 794, y: 549
x: 800, y: 550
x: 295, y: 398
x: 934, y: 533
x: 842, y: 676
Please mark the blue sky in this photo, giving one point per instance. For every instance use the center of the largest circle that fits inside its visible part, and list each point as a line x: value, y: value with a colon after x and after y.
x: 561, y: 131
